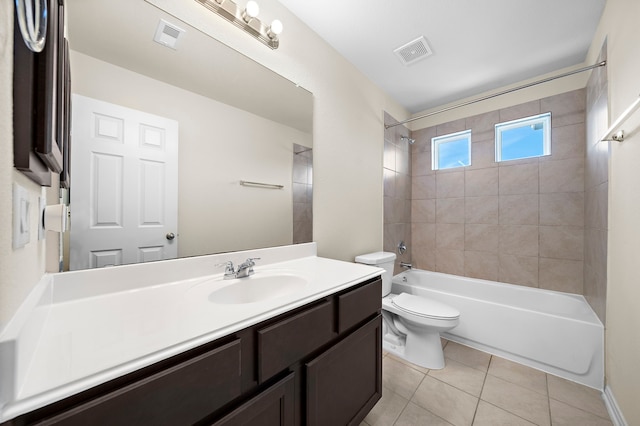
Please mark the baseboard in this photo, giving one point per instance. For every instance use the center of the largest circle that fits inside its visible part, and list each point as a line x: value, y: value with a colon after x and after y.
x: 612, y: 407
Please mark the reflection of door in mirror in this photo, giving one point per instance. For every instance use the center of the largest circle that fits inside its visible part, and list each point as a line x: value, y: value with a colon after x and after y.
x: 126, y: 209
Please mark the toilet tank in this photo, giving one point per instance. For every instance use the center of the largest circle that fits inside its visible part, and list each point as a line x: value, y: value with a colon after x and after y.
x: 381, y: 259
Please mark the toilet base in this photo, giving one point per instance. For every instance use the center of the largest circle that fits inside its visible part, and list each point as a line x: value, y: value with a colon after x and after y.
x: 425, y: 351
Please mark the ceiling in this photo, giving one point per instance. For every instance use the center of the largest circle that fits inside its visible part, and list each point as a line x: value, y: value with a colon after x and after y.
x: 477, y: 45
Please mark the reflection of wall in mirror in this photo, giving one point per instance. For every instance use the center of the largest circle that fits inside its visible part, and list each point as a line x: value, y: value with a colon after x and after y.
x: 219, y: 146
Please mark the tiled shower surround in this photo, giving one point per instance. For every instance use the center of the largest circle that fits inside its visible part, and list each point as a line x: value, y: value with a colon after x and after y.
x: 519, y: 222
x: 596, y: 191
x: 397, y: 191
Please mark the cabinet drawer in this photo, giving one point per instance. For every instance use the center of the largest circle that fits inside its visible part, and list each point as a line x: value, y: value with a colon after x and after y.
x: 357, y: 305
x: 182, y: 394
x: 282, y: 344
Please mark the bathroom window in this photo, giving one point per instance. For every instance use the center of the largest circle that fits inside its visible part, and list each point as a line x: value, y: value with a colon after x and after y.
x: 524, y: 138
x: 452, y: 150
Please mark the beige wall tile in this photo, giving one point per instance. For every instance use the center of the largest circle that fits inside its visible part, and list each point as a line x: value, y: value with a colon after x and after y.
x: 423, y: 138
x: 563, y: 208
x: 389, y: 177
x: 450, y: 261
x: 451, y: 127
x: 567, y: 142
x: 518, y: 270
x: 450, y: 210
x: 421, y: 163
x: 389, y: 159
x: 423, y: 211
x: 450, y: 185
x: 596, y: 207
x: 423, y: 187
x: 562, y: 175
x: 450, y: 236
x: 481, y: 264
x: 566, y: 108
x: 520, y: 240
x: 562, y: 242
x: 521, y: 209
x: 483, y: 125
x: 520, y: 111
x: 483, y: 155
x: 561, y: 275
x: 519, y: 179
x: 481, y: 182
x: 424, y: 258
x: 403, y: 160
x: 480, y: 237
x: 423, y: 234
x: 481, y: 210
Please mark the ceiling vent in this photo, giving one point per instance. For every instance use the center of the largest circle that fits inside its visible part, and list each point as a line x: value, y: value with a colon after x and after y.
x: 167, y: 34
x: 413, y: 51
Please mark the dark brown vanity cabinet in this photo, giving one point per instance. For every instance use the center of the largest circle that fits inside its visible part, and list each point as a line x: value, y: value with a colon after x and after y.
x: 316, y: 365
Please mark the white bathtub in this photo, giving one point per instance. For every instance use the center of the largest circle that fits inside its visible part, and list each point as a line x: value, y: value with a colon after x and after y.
x: 555, y: 332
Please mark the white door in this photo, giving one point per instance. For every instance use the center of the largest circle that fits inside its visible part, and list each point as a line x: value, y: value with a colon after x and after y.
x: 124, y: 185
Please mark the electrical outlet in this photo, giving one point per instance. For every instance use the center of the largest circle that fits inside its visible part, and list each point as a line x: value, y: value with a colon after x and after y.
x: 21, y: 216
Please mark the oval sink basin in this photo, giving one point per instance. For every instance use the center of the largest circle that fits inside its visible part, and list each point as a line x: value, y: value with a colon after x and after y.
x: 256, y: 288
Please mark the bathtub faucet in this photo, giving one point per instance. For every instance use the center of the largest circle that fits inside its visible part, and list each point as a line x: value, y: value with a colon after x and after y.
x: 406, y: 265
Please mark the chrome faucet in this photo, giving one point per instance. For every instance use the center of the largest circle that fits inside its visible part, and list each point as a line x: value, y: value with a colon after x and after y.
x: 406, y: 265
x: 244, y: 269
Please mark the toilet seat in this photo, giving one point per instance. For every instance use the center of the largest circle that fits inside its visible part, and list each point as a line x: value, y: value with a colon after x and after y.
x: 424, y: 307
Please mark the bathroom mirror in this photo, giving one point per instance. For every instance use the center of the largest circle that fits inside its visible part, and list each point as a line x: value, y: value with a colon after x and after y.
x: 238, y: 121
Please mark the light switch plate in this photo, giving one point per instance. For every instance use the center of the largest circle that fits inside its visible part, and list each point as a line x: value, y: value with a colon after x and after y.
x: 21, y: 216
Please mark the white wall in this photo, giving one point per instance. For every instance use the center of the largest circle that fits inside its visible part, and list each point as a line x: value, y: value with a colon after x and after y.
x: 619, y: 26
x: 219, y: 146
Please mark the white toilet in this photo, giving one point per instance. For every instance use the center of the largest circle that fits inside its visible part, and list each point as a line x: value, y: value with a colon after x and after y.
x: 412, y: 324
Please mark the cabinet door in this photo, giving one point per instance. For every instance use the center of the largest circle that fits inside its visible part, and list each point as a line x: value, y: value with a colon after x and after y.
x: 272, y: 407
x: 345, y: 382
x: 180, y: 395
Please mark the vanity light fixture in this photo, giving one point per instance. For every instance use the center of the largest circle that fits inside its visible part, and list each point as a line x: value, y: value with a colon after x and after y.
x: 246, y: 19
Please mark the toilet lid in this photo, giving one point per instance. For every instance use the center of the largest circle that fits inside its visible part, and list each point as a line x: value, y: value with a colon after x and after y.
x: 424, y: 307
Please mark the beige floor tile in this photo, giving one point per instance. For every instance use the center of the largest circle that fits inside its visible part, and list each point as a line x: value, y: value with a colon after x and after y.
x: 566, y: 415
x: 409, y: 364
x: 519, y: 374
x: 490, y: 415
x: 460, y: 376
x: 576, y: 395
x: 414, y: 415
x: 445, y: 401
x: 516, y: 399
x: 387, y: 410
x: 467, y: 356
x: 400, y: 378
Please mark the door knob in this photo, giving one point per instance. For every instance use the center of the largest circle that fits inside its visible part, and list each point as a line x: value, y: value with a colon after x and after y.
x: 170, y: 236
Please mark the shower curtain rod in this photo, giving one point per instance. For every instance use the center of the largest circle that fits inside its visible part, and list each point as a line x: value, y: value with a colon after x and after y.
x: 504, y: 92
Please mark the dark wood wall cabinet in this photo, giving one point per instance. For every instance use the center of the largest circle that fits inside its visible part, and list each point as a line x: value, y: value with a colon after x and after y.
x: 41, y: 102
x: 317, y: 365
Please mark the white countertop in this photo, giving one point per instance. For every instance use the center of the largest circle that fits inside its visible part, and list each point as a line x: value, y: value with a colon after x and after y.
x: 82, y: 329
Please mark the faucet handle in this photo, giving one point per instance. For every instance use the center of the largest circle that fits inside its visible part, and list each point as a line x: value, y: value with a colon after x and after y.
x: 228, y: 268
x: 250, y: 261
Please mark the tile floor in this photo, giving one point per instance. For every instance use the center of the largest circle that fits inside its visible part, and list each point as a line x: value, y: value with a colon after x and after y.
x: 476, y: 388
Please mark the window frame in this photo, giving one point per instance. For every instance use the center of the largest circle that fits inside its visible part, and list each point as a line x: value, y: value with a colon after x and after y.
x: 438, y: 140
x: 544, y: 119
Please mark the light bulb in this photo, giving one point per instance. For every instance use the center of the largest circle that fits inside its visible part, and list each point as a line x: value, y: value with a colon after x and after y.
x: 250, y: 11
x: 275, y: 29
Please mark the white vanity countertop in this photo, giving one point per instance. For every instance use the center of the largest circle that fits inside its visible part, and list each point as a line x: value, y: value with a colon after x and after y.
x: 86, y: 333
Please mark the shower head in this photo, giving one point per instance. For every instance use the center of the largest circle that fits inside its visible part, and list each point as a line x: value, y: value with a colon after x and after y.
x: 408, y: 139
